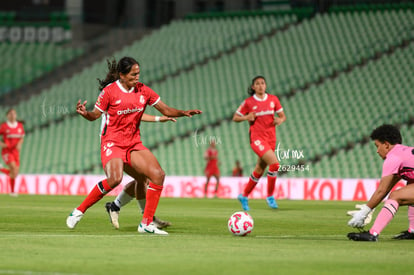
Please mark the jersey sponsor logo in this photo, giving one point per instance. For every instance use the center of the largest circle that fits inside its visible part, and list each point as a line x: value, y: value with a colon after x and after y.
x: 129, y: 111
x: 14, y: 136
x: 263, y: 113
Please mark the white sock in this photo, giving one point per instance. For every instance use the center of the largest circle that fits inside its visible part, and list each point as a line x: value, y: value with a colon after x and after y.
x: 141, y: 204
x: 122, y: 199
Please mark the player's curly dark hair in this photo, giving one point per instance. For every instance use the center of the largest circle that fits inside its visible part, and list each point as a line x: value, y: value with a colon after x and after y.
x: 387, y: 132
x: 114, y: 69
x: 250, y: 91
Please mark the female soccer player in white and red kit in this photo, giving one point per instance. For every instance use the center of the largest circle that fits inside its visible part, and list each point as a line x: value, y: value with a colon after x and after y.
x: 12, y: 132
x: 259, y: 110
x: 124, y: 100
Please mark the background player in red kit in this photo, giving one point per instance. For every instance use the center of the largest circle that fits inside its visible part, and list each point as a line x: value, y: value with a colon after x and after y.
x: 259, y: 110
x: 211, y: 170
x: 124, y: 100
x: 237, y: 170
x: 12, y: 132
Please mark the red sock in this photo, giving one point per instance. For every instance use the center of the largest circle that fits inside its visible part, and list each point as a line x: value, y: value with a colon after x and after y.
x: 12, y: 181
x: 254, y: 178
x: 97, y: 193
x: 271, y: 178
x: 5, y: 171
x: 153, y: 197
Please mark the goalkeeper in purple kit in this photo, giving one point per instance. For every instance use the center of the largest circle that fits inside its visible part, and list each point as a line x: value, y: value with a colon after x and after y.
x: 398, y: 164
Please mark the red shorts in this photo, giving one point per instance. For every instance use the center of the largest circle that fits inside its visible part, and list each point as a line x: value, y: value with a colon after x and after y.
x: 110, y: 151
x: 261, y: 146
x: 212, y: 170
x: 10, y: 155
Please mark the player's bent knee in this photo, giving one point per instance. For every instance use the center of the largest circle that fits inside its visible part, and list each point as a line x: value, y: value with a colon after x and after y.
x: 114, y: 180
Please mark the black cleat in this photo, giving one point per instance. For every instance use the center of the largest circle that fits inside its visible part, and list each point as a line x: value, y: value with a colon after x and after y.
x: 160, y: 224
x: 404, y: 235
x: 362, y: 237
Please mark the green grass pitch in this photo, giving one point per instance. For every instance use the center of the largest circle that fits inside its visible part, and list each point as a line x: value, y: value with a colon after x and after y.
x: 302, y: 237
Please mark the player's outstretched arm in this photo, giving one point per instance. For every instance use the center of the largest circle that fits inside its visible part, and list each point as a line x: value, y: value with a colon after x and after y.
x: 151, y: 118
x: 172, y: 112
x: 385, y: 186
x: 91, y: 116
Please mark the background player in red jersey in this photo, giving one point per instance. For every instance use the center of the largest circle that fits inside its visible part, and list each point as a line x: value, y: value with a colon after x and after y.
x: 211, y: 170
x: 237, y: 170
x: 259, y: 110
x: 124, y: 100
x: 12, y: 132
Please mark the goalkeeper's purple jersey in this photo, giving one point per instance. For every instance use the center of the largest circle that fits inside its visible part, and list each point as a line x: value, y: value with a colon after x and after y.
x: 400, y: 161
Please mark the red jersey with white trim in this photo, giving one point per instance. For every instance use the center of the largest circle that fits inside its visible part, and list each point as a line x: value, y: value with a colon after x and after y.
x: 124, y: 110
x: 265, y: 110
x: 211, y: 155
x: 12, y: 133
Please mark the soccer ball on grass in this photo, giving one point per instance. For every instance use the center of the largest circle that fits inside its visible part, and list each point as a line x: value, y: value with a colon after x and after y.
x: 240, y: 223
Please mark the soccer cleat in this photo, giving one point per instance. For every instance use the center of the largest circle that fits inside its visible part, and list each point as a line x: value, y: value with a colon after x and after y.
x: 73, y: 219
x: 404, y: 235
x: 160, y: 224
x: 272, y: 202
x: 151, y: 229
x: 113, y: 215
x: 362, y: 237
x: 244, y: 202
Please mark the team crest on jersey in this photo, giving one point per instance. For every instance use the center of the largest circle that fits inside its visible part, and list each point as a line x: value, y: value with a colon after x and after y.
x: 254, y: 107
x: 272, y: 105
x: 142, y: 99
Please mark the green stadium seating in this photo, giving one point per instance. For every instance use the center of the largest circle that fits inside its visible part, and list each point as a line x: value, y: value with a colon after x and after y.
x: 321, y: 117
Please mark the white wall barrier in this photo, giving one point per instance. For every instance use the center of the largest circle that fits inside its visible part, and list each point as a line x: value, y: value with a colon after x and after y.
x: 193, y: 187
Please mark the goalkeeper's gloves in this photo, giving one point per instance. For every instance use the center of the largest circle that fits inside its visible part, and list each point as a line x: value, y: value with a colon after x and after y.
x: 361, y: 217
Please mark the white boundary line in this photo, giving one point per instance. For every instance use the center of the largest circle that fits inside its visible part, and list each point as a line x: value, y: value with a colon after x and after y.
x: 29, y: 272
